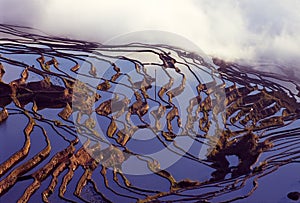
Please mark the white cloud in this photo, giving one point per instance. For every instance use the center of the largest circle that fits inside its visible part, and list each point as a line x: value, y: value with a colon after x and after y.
x: 228, y: 28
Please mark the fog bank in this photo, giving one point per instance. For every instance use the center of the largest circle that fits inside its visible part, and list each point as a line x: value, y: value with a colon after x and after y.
x: 231, y: 29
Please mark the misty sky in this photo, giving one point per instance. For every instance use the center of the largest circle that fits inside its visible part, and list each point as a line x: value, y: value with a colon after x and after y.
x: 226, y: 28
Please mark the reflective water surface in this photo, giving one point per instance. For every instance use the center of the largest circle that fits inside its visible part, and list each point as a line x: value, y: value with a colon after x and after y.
x: 86, y: 122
